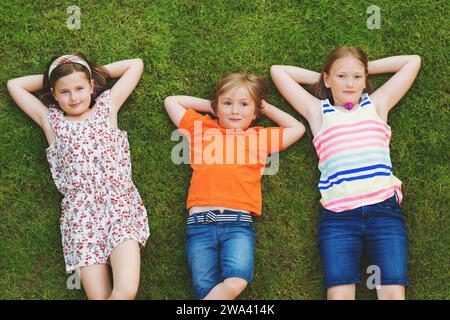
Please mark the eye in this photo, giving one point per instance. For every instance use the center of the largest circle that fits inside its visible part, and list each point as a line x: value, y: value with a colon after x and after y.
x: 80, y: 88
x: 244, y: 104
x: 341, y: 76
x: 227, y: 103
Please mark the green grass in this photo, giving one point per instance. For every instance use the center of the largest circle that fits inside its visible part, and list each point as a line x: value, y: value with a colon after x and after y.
x: 186, y: 47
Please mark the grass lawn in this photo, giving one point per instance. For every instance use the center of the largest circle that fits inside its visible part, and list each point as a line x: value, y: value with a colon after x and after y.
x: 186, y: 47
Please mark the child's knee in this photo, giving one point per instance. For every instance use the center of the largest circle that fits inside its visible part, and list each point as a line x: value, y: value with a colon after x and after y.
x: 343, y: 292
x: 391, y: 293
x: 98, y: 296
x: 125, y: 291
x: 98, y: 293
x: 235, y: 285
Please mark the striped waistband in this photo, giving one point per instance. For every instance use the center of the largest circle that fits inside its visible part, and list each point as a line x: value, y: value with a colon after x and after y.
x: 213, y: 216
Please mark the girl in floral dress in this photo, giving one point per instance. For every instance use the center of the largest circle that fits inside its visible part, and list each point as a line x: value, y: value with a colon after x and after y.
x: 104, y: 221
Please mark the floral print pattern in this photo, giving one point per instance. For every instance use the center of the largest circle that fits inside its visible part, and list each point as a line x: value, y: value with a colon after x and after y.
x: 90, y: 165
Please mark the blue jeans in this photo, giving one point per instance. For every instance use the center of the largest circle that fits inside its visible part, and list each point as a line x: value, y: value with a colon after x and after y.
x: 219, y: 250
x: 379, y: 228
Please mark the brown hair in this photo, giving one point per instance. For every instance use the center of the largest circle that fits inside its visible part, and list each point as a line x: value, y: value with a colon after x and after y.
x: 255, y: 85
x: 320, y: 90
x: 99, y: 74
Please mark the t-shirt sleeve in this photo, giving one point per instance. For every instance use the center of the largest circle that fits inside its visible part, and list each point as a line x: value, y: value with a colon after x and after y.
x: 188, y: 121
x: 273, y: 139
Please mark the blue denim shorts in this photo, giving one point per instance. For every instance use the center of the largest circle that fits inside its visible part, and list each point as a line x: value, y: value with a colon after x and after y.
x: 379, y: 229
x: 219, y: 250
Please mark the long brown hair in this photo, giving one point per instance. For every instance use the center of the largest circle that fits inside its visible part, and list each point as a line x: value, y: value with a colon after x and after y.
x: 256, y: 86
x: 99, y: 74
x: 320, y: 90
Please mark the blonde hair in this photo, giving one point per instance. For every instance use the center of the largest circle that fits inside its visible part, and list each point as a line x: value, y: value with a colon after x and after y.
x: 255, y: 85
x: 320, y: 90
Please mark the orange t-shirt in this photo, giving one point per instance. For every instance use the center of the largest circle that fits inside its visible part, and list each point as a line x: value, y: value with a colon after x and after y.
x: 227, y: 163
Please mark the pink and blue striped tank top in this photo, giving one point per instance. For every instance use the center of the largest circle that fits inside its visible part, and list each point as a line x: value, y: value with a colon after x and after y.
x: 354, y: 159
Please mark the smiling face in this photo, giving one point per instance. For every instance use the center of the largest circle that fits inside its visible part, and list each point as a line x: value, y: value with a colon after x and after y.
x: 347, y: 80
x: 73, y: 93
x: 236, y: 108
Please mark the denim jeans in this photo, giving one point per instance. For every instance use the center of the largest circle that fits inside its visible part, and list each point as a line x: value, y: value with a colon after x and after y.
x: 219, y: 250
x: 379, y: 228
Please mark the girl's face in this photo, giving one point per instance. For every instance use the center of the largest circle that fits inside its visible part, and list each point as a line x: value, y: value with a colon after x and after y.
x: 73, y: 93
x: 236, y: 109
x: 347, y: 80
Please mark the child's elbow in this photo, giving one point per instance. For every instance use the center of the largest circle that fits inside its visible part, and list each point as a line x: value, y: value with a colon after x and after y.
x: 416, y: 59
x: 169, y: 101
x: 139, y: 63
x: 298, y: 132
x: 301, y: 130
x: 274, y: 69
x: 10, y: 85
x: 419, y: 60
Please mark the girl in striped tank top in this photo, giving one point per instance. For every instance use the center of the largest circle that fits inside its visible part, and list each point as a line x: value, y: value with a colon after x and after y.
x: 360, y: 205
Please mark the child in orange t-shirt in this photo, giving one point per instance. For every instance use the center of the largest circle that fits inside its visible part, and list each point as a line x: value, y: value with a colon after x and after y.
x: 228, y: 157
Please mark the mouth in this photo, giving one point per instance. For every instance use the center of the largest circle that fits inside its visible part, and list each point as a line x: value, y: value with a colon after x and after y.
x: 75, y: 105
x: 349, y: 92
x: 234, y: 119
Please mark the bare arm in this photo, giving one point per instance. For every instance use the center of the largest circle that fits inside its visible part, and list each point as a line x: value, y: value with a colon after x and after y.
x: 21, y: 90
x: 288, y: 79
x: 293, y: 129
x: 389, y: 94
x: 129, y: 72
x: 176, y: 107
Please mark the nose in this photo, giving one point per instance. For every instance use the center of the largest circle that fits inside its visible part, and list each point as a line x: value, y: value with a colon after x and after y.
x: 73, y: 97
x: 235, y: 109
x: 350, y: 82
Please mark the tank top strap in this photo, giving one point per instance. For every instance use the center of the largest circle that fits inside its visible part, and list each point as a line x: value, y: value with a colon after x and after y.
x: 103, y: 104
x: 55, y: 117
x: 326, y: 107
x: 367, y: 107
x: 365, y: 102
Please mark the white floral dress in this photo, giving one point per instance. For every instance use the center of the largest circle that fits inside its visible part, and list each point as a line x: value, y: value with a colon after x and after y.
x: 90, y: 164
